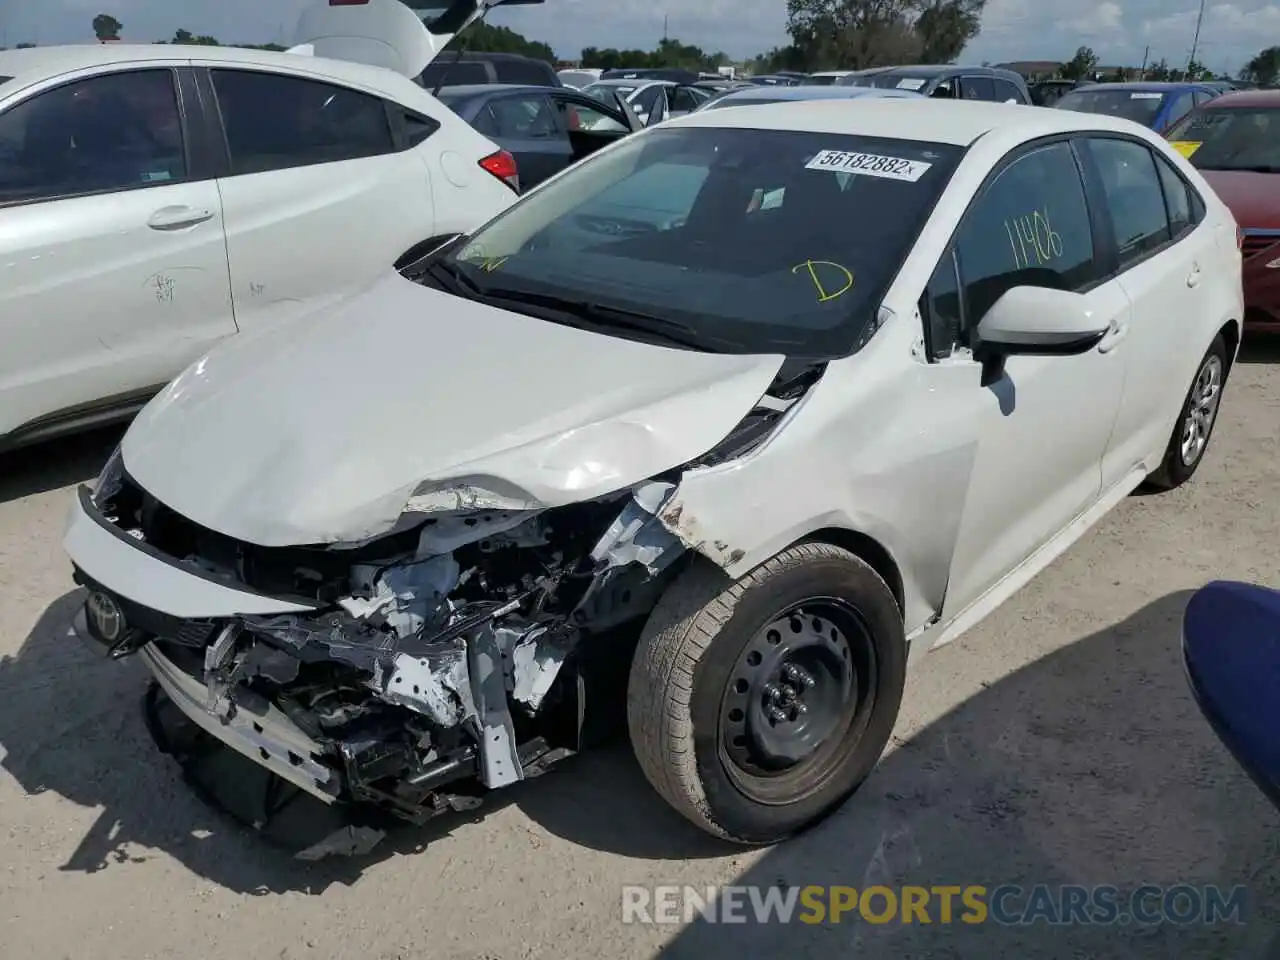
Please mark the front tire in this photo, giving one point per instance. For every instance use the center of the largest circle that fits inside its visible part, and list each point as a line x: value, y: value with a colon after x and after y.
x: 757, y: 707
x: 1195, y: 423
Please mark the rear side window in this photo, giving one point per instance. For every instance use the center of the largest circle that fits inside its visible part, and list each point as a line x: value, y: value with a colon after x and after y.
x: 1029, y: 227
x: 524, y: 72
x: 1135, y: 197
x: 274, y: 122
x: 455, y: 73
x: 1006, y: 91
x: 116, y: 131
x: 977, y: 88
x: 517, y: 118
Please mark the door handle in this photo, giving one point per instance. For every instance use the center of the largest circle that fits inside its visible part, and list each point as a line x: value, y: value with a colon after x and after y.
x: 1193, y: 279
x: 178, y: 218
x: 1112, y: 338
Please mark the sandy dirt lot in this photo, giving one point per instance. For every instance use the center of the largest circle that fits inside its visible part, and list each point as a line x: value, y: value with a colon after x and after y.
x: 1056, y: 743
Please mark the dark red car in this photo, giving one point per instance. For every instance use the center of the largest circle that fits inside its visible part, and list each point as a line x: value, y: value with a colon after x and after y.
x: 1234, y: 141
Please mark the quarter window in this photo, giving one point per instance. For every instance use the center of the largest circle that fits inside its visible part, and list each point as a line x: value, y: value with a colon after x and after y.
x: 1180, y: 107
x: 274, y: 122
x: 1177, y: 198
x: 1135, y: 197
x: 1006, y: 91
x: 112, y: 132
x: 1029, y: 227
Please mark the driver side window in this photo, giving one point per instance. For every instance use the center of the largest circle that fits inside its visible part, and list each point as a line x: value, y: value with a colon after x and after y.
x: 1028, y: 227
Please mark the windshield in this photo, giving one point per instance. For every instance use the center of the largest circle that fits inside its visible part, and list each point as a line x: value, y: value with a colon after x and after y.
x: 1141, y: 106
x: 605, y: 91
x: 747, y: 241
x: 1230, y: 139
x: 573, y: 78
x: 893, y: 81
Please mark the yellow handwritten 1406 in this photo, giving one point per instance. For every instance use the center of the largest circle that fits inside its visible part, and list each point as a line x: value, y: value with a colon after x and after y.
x: 1033, y: 240
x: 823, y: 293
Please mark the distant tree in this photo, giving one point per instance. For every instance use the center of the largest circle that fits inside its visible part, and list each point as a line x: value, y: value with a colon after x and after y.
x: 262, y: 46
x: 107, y: 27
x: 484, y: 36
x: 854, y: 34
x: 1159, y: 71
x: 1082, y: 66
x: 26, y: 46
x: 189, y: 39
x: 1197, y: 71
x: 1264, y: 68
x: 945, y: 28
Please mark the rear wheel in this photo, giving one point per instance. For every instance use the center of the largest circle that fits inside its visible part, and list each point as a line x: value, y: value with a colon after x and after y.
x: 757, y: 707
x: 1195, y: 423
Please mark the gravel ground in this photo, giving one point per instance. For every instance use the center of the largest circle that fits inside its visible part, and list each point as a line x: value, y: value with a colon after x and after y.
x: 1056, y: 743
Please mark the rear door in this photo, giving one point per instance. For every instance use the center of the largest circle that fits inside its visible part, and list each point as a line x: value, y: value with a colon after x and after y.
x: 1169, y: 265
x: 112, y: 239
x: 318, y: 198
x: 590, y: 125
x: 526, y: 126
x: 683, y: 100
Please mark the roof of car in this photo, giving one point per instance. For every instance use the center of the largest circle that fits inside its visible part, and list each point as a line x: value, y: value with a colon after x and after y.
x: 1245, y: 98
x: 464, y: 90
x: 812, y: 93
x: 636, y: 82
x: 1148, y: 86
x: 942, y: 69
x: 958, y: 122
x: 37, y: 63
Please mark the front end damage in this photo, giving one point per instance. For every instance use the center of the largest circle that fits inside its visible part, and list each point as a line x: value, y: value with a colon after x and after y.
x: 421, y: 668
x: 460, y: 651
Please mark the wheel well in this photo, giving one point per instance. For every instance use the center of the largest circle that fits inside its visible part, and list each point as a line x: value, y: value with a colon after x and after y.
x: 1231, y: 334
x: 867, y: 549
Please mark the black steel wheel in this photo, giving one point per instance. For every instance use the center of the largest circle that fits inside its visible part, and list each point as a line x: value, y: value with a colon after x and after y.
x: 757, y: 706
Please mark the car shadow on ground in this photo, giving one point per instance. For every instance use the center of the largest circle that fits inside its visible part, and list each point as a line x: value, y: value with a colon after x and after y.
x: 56, y: 463
x: 1260, y: 349
x: 1090, y: 766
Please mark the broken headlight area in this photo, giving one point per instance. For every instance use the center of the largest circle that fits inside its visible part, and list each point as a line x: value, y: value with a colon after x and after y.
x: 443, y: 659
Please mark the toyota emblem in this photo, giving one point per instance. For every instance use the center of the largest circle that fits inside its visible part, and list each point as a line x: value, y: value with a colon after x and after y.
x: 106, y: 616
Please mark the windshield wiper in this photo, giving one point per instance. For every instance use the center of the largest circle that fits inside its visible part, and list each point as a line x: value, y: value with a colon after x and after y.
x: 598, y: 316
x: 453, y: 277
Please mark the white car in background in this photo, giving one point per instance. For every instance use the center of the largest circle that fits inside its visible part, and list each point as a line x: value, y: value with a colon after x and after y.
x: 157, y: 199
x: 579, y: 77
x: 652, y: 100
x: 388, y: 553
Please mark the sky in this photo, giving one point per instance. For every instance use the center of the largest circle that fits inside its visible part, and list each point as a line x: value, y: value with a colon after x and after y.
x: 1011, y: 30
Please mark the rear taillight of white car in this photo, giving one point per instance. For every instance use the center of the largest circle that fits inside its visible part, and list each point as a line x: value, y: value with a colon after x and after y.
x: 503, y: 166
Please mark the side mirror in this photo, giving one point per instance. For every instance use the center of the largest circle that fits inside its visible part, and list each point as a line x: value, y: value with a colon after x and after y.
x: 1036, y: 320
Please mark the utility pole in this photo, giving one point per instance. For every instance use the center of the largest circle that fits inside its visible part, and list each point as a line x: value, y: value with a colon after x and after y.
x: 665, y: 34
x: 1146, y: 55
x: 1195, y: 41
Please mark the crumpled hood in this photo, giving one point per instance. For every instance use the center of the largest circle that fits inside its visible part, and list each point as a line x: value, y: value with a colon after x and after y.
x: 319, y: 430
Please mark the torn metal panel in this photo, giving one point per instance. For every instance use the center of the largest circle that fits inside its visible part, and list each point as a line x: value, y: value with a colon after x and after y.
x: 499, y: 757
x: 435, y: 684
x: 535, y: 660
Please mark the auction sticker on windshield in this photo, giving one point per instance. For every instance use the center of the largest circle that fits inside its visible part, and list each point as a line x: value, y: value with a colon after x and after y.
x: 869, y: 165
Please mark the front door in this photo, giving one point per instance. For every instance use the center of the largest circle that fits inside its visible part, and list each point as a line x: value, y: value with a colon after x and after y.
x: 1039, y: 433
x: 115, y: 258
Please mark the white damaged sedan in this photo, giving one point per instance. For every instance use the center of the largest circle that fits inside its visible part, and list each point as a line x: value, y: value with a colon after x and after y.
x: 751, y: 404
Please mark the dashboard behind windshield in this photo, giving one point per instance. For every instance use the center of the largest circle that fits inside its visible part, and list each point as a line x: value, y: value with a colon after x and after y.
x: 759, y: 241
x: 1230, y: 139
